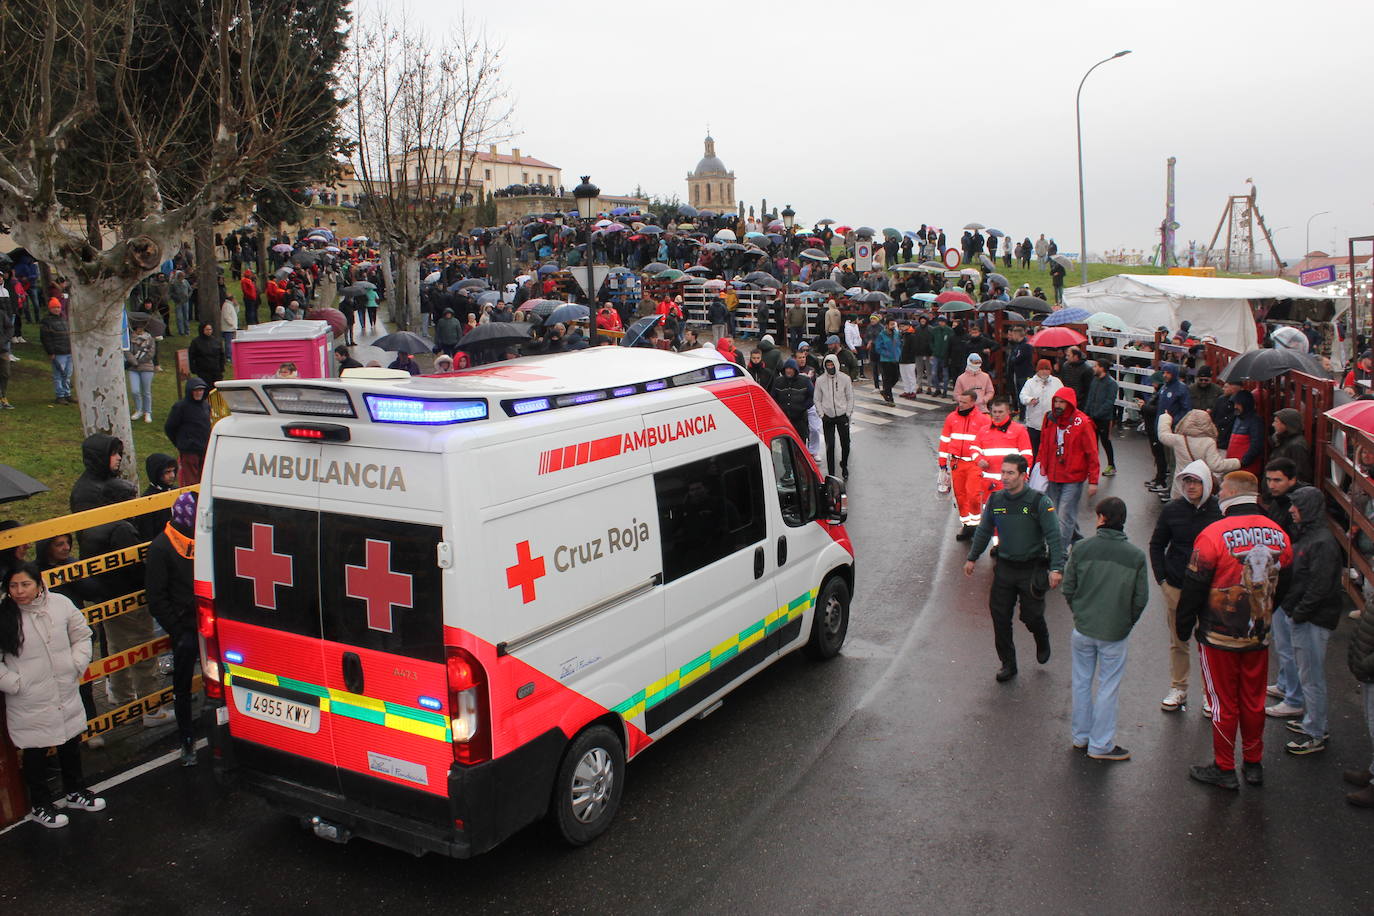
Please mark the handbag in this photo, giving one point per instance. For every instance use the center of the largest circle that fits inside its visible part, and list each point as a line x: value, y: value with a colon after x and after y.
x: 1037, y: 479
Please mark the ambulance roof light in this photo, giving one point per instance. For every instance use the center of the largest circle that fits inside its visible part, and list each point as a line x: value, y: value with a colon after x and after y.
x: 242, y: 400
x: 423, y: 411
x: 310, y: 401
x: 529, y: 405
x: 518, y: 408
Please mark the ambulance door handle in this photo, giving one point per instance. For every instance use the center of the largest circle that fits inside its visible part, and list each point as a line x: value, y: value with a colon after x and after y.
x: 758, y: 562
x: 782, y: 550
x: 353, y: 672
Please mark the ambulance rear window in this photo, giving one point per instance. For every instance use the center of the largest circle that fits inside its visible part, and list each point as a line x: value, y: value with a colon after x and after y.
x: 709, y: 509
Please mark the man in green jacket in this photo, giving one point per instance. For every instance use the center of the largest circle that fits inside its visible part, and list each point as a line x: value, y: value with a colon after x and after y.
x: 1029, y: 560
x: 1107, y: 588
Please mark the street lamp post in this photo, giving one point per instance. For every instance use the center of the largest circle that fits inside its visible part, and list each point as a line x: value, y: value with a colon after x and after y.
x: 1078, y: 119
x: 1307, y: 238
x: 587, y: 195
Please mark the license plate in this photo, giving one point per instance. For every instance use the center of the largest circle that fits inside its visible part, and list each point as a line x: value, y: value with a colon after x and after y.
x: 257, y: 704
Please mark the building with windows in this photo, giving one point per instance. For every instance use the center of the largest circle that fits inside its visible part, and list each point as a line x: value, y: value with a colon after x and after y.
x: 491, y: 170
x: 711, y: 186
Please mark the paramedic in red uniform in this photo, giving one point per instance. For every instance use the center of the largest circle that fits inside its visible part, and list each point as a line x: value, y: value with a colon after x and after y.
x: 960, y: 431
x: 1002, y: 437
x: 1228, y: 599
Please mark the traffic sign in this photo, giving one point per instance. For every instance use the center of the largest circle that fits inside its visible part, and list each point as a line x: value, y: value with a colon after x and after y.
x: 953, y: 274
x: 952, y: 258
x: 599, y: 272
x: 863, y: 254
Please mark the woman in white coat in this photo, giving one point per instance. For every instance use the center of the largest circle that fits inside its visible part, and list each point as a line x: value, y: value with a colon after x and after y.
x: 1193, y: 439
x: 45, y: 646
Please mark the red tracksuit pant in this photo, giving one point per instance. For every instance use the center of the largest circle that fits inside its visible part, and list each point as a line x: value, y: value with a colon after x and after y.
x: 1234, y: 682
x: 967, y: 480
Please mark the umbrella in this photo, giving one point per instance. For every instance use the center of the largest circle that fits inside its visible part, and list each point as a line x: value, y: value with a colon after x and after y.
x: 1104, y: 321
x: 924, y: 297
x: 907, y: 267
x: 535, y: 238
x: 566, y: 313
x: 1030, y: 304
x: 283, y: 249
x: 671, y: 275
x: 1056, y: 337
x: 854, y: 292
x: 912, y: 234
x: 815, y: 254
x: 365, y: 284
x: 473, y: 282
x: 714, y: 284
x: 768, y: 283
x: 933, y: 266
x: 1290, y: 339
x: 615, y: 227
x: 356, y: 289
x: 1359, y: 414
x: 866, y: 232
x: 700, y: 270
x: 652, y: 230
x: 987, y: 262
x: 891, y: 233
x: 732, y: 246
x: 754, y: 235
x: 757, y: 275
x: 602, y: 224
x: 542, y: 307
x: 333, y: 249
x: 713, y: 246
x: 975, y: 226
x: 283, y: 272
x: 777, y: 225
x: 999, y: 280
x: 953, y: 295
x: 996, y: 233
x: 1067, y: 316
x: 687, y: 210
x: 635, y: 332
x: 754, y: 252
x: 826, y: 286
x: 494, y: 333
x: 620, y: 211
x: 360, y: 238
x: 826, y: 222
x: 546, y: 269
x: 707, y: 214
x: 957, y: 305
x: 337, y: 322
x: 432, y: 278
x: 655, y: 267
x: 799, y: 286
x: 15, y: 484
x: 843, y: 230
x: 877, y: 297
x: 1063, y: 260
x: 490, y: 297
x: 305, y: 257
x: 725, y: 235
x: 404, y: 342
x: 1263, y: 365
x: 992, y: 305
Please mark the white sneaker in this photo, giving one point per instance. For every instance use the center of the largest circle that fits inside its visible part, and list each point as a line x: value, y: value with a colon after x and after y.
x: 1206, y: 709
x: 95, y: 742
x: 1283, y: 711
x: 84, y: 799
x: 1174, y: 700
x: 1273, y: 691
x: 47, y: 817
x: 135, y: 417
x: 158, y: 717
x: 147, y: 418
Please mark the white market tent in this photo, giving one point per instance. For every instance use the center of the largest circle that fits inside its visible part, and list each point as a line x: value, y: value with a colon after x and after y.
x: 1219, y: 306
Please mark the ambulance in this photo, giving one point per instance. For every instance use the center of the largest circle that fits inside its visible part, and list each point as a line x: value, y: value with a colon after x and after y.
x: 434, y: 610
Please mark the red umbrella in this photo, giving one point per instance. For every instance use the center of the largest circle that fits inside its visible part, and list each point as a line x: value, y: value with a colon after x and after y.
x: 1359, y: 414
x: 954, y: 295
x: 337, y: 322
x: 841, y: 230
x: 1056, y: 337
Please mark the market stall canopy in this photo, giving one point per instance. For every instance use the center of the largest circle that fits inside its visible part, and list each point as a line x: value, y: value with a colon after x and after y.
x: 1219, y: 306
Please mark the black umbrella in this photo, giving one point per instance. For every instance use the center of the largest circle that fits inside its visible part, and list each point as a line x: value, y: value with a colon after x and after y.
x: 1263, y: 365
x: 356, y: 289
x: 767, y: 282
x: 865, y: 232
x: 815, y: 254
x: 877, y: 297
x: 688, y: 210
x: 542, y: 307
x: 655, y: 267
x: 635, y: 332
x: 827, y: 286
x: 566, y: 313
x: 999, y: 280
x: 494, y: 334
x: 1030, y: 304
x: 756, y: 276
x: 992, y: 305
x: 699, y: 269
x: 404, y: 342
x: 15, y: 484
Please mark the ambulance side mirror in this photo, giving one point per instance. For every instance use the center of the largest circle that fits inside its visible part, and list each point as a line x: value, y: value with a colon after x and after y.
x: 834, y: 501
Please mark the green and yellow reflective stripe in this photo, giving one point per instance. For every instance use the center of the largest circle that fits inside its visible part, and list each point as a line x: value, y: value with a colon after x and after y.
x: 422, y: 722
x: 706, y: 662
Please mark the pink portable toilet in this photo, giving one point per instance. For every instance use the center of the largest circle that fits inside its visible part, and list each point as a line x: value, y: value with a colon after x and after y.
x: 262, y: 348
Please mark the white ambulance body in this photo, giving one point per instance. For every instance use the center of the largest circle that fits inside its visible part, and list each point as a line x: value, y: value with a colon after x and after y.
x: 436, y: 609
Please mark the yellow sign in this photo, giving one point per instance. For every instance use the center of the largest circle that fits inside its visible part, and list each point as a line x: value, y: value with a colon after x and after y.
x: 94, y: 566
x: 99, y: 613
x: 132, y: 712
x: 104, y: 667
x: 66, y: 524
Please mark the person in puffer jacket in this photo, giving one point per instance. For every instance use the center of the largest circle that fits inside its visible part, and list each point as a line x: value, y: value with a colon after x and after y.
x: 1193, y: 439
x: 835, y: 403
x: 1313, y: 602
x: 1068, y: 458
x: 794, y: 395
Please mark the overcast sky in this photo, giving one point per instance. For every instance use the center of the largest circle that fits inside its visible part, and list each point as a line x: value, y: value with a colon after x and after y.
x: 894, y: 114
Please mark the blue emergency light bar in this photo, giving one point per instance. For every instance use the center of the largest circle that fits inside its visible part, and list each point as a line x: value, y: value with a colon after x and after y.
x: 423, y: 411
x: 522, y: 406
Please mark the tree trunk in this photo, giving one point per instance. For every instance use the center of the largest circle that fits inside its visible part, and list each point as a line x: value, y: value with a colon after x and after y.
x: 208, y: 275
x: 396, y: 306
x: 96, y: 322
x: 410, y: 276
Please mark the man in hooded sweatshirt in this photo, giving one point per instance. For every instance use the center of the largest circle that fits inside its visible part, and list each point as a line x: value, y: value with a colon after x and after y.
x: 102, y: 456
x: 1245, y: 439
x: 772, y: 356
x: 1068, y: 457
x: 188, y: 428
x: 1313, y: 602
x: 835, y: 403
x: 162, y: 476
x: 794, y: 395
x: 170, y: 583
x: 1171, y: 545
x: 1290, y: 441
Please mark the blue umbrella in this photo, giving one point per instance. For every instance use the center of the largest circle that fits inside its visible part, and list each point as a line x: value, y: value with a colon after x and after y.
x: 1066, y: 316
x: 535, y: 238
x: 652, y: 230
x: 635, y: 332
x: 620, y: 211
x: 471, y: 282
x: 546, y: 269
x: 566, y: 313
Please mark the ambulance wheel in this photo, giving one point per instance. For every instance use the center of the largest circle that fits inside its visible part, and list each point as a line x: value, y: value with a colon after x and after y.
x: 591, y: 779
x: 830, y: 622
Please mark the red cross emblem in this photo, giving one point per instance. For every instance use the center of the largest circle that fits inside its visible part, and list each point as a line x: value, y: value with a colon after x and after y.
x: 525, y: 571
x: 377, y: 586
x: 266, y: 569
x: 514, y: 373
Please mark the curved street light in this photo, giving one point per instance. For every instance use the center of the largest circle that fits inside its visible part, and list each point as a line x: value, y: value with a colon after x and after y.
x: 1078, y: 118
x: 1307, y: 239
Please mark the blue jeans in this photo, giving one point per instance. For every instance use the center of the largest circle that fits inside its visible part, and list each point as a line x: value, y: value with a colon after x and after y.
x: 939, y: 373
x: 182, y: 311
x: 62, y: 376
x: 1094, y: 715
x: 142, y: 385
x: 1309, y: 650
x: 1288, y: 680
x: 1065, y: 497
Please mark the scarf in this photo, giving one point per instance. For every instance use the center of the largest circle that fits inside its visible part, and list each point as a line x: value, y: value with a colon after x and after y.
x: 183, y: 545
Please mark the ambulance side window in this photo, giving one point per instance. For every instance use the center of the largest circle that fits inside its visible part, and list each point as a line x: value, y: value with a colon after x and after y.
x: 796, y: 484
x: 709, y: 509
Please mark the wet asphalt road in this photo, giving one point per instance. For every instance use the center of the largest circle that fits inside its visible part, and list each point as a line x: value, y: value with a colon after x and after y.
x: 897, y: 778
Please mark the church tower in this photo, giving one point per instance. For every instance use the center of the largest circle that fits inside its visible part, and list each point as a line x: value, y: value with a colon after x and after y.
x: 711, y: 186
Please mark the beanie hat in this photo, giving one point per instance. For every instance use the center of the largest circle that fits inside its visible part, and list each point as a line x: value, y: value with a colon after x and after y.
x: 832, y: 339
x: 1044, y: 364
x: 1290, y: 418
x: 1204, y: 372
x: 184, y: 512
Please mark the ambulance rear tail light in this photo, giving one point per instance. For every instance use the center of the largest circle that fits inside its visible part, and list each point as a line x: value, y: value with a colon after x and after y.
x: 310, y: 401
x: 212, y: 674
x: 317, y: 432
x: 467, y: 696
x: 423, y: 411
x: 242, y: 400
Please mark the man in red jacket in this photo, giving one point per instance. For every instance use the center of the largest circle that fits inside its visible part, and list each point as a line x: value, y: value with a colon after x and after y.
x: 1228, y: 598
x: 1068, y: 457
x: 960, y: 431
x: 1002, y: 437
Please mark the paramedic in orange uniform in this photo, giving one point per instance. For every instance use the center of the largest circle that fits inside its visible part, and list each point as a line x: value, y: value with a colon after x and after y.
x: 957, y: 438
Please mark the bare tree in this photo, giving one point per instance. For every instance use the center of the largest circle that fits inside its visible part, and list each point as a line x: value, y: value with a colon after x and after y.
x: 419, y: 112
x: 140, y: 116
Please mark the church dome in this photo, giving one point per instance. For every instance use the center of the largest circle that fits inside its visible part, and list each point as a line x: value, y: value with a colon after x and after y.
x: 710, y: 163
